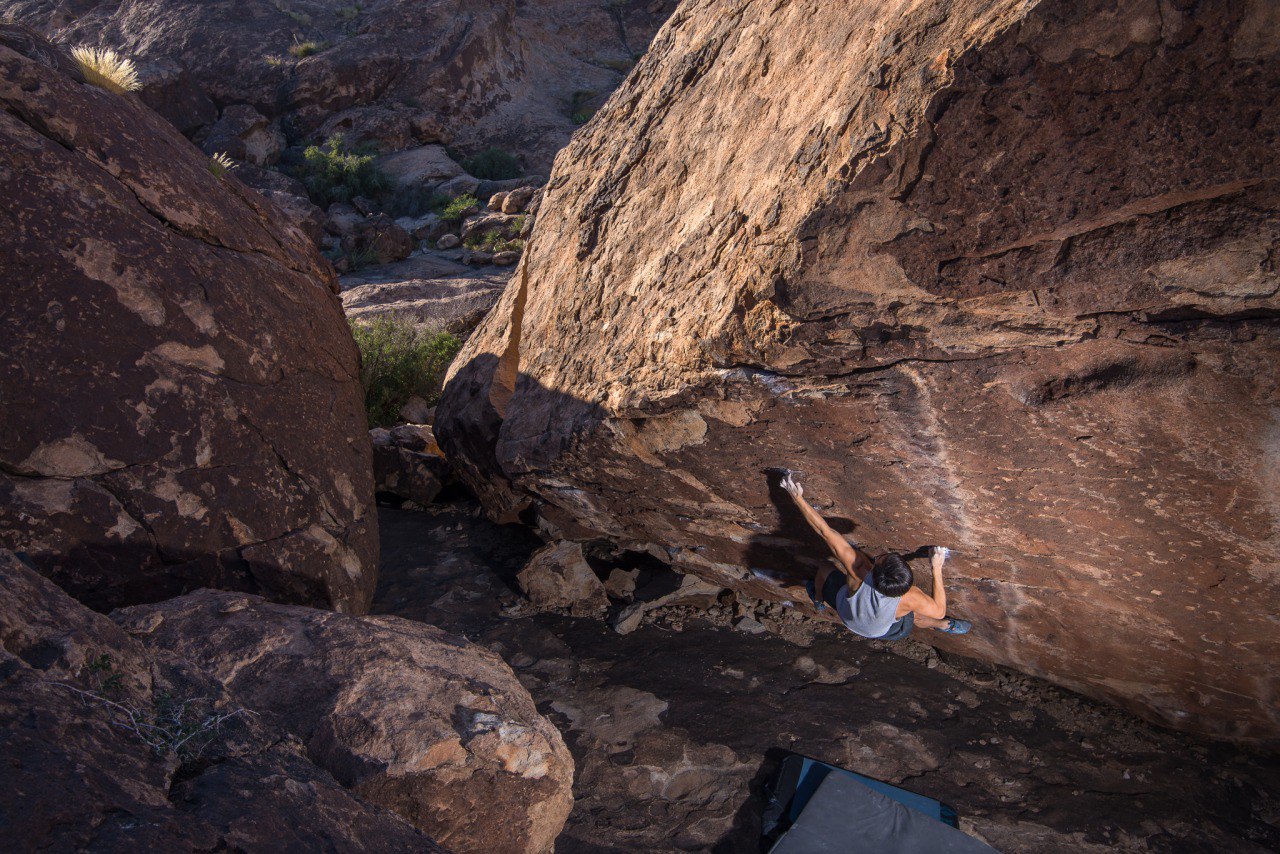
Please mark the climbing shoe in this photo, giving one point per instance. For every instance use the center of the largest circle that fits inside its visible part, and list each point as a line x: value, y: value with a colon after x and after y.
x: 957, y: 627
x: 818, y: 604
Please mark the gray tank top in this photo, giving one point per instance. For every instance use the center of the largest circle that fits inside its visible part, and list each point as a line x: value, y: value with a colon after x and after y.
x: 867, y: 612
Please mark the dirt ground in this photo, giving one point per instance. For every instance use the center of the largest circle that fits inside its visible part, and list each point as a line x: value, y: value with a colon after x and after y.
x: 676, y: 727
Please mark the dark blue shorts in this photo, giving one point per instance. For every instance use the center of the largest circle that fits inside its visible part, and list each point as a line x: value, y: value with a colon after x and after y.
x: 836, y: 587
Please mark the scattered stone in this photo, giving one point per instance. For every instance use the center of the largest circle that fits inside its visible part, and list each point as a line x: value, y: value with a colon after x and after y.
x: 398, y: 469
x: 417, y: 411
x: 463, y: 185
x: 506, y: 258
x: 496, y: 201
x: 448, y: 241
x: 693, y: 591
x: 244, y: 134
x: 558, y: 577
x: 403, y: 714
x: 621, y: 584
x: 301, y: 212
x: 515, y: 201
x: 477, y: 226
x: 476, y: 257
x: 750, y: 625
x: 428, y: 227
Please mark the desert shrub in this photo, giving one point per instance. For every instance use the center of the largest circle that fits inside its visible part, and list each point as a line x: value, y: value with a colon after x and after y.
x: 334, y: 173
x: 172, y: 727
x: 272, y: 60
x: 493, y: 241
x: 580, y: 109
x: 361, y: 258
x: 301, y: 50
x: 457, y: 208
x: 398, y: 360
x: 220, y: 164
x: 492, y: 164
x: 106, y: 69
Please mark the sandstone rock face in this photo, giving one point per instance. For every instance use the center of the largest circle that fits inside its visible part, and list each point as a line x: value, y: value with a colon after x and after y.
x: 993, y: 274
x: 502, y: 73
x: 78, y: 776
x: 182, y: 403
x: 405, y: 715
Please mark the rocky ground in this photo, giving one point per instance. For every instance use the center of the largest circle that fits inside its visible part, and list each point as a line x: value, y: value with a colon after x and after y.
x: 674, y: 730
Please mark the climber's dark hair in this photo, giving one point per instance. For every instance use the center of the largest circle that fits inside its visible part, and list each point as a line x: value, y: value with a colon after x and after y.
x: 891, y: 575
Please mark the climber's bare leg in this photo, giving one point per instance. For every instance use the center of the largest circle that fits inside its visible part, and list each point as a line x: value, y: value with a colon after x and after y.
x: 931, y: 622
x: 820, y: 578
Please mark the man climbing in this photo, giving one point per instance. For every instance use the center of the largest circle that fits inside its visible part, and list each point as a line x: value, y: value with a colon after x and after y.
x: 875, y: 597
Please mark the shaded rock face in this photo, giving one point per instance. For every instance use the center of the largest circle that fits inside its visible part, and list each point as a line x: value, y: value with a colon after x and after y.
x: 401, y: 71
x: 993, y: 274
x: 405, y: 715
x: 77, y: 777
x: 182, y: 403
x: 407, y: 462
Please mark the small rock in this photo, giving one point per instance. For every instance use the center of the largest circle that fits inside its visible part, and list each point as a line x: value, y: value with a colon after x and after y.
x: 477, y: 257
x: 750, y: 625
x: 558, y: 576
x: 497, y: 200
x: 515, y: 201
x: 462, y: 185
x: 448, y: 241
x: 415, y: 475
x: 621, y: 583
x: 245, y: 134
x: 417, y: 411
x: 506, y: 258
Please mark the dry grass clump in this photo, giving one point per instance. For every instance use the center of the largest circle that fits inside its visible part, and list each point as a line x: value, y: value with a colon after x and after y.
x: 106, y: 69
x: 220, y: 164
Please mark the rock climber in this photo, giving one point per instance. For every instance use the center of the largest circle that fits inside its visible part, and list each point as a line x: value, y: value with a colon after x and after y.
x: 874, y: 597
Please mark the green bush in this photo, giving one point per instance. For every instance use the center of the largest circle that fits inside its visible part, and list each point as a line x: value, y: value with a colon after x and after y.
x: 492, y: 164
x: 399, y: 360
x: 493, y: 241
x: 334, y: 173
x: 455, y: 209
x: 580, y: 109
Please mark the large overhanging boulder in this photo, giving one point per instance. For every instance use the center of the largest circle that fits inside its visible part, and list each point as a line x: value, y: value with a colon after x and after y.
x: 999, y: 275
x: 181, y: 395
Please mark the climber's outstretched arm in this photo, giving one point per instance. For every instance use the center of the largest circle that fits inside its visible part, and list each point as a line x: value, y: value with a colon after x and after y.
x: 924, y: 604
x: 845, y: 553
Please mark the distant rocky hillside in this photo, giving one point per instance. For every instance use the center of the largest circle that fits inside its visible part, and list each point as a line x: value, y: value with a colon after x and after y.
x: 996, y: 274
x: 516, y: 75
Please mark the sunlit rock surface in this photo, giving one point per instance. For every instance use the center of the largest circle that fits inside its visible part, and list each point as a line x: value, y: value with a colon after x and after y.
x: 999, y: 275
